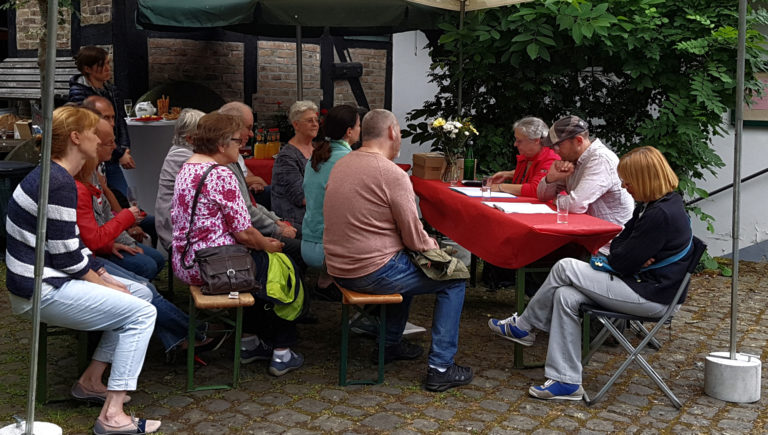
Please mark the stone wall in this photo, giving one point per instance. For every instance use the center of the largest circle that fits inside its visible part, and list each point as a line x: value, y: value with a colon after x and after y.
x: 95, y: 12
x: 218, y: 65
x: 28, y: 28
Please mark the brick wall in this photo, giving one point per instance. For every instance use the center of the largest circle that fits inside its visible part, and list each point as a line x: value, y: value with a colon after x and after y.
x: 277, y: 77
x: 28, y: 27
x: 218, y: 65
x: 95, y: 11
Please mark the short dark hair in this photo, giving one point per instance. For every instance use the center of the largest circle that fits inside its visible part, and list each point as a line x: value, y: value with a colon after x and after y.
x: 212, y: 129
x: 90, y: 56
x: 337, y: 122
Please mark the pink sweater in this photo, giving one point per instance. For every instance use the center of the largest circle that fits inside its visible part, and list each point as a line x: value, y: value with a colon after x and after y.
x: 370, y: 215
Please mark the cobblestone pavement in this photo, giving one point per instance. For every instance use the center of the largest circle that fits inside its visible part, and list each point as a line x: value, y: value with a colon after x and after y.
x: 310, y: 400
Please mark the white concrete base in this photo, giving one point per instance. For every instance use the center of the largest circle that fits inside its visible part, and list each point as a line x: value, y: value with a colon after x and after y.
x: 732, y: 380
x: 40, y: 428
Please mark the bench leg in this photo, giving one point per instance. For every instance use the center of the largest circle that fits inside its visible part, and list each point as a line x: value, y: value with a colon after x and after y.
x: 344, y: 358
x: 344, y: 345
x: 191, y: 348
x: 382, y: 341
x: 238, y: 337
x: 42, y: 365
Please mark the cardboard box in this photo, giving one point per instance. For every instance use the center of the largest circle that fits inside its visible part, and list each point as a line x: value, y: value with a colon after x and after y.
x: 22, y: 129
x: 428, y: 166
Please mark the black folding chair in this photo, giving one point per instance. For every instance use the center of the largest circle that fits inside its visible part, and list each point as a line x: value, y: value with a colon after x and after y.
x: 612, y: 322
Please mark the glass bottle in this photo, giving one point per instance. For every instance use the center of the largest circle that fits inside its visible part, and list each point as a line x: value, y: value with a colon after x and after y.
x: 260, y: 148
x: 469, y: 165
x: 273, y: 142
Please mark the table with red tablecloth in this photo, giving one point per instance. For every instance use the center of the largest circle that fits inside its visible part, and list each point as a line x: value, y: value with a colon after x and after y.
x: 263, y: 168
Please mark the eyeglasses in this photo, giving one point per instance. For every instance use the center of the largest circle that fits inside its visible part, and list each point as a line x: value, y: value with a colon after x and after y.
x: 237, y: 140
x: 311, y: 121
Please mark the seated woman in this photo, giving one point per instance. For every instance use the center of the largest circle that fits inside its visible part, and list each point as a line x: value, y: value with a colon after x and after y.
x: 180, y: 152
x: 659, y: 229
x: 221, y: 218
x: 77, y: 293
x: 288, y: 200
x: 104, y: 233
x: 533, y: 160
x: 342, y: 127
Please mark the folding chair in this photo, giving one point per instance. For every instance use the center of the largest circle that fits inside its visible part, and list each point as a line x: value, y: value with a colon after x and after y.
x: 611, y: 320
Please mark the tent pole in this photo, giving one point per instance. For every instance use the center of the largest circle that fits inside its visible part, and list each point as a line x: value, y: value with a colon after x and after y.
x: 739, y: 116
x: 299, y: 66
x: 45, y: 173
x: 462, y: 9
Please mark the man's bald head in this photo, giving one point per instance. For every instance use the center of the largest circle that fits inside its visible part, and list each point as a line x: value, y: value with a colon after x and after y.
x: 380, y: 130
x: 106, y: 135
x: 242, y: 110
x: 103, y: 106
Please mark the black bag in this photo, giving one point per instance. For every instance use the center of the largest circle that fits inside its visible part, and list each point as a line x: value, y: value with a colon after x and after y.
x: 223, y: 269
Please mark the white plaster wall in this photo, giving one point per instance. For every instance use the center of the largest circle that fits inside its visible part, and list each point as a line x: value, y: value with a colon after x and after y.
x: 410, y: 86
x: 753, y: 227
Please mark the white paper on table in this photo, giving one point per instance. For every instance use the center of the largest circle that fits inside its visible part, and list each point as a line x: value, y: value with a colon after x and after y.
x: 477, y: 192
x: 521, y: 207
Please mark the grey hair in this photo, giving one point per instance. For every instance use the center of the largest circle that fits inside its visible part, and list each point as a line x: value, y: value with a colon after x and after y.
x: 235, y: 108
x: 185, y: 126
x: 300, y: 107
x: 375, y: 124
x: 532, y: 127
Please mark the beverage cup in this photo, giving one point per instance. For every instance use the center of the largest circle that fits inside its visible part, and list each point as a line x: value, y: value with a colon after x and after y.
x: 485, y: 189
x: 562, y: 202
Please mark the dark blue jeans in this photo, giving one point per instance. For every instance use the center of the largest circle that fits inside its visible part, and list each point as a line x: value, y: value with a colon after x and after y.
x: 147, y: 265
x: 400, y: 275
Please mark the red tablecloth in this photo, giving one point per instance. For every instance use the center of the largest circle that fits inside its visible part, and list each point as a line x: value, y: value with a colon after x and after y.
x: 505, y: 239
x: 263, y: 167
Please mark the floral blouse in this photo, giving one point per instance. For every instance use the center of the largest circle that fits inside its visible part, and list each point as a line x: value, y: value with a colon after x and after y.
x: 220, y: 214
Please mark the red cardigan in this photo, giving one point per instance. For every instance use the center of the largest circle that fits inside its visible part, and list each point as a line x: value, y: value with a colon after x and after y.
x: 538, y: 170
x: 98, y: 238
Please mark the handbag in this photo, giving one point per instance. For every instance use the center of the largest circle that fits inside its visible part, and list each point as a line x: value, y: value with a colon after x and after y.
x: 223, y: 269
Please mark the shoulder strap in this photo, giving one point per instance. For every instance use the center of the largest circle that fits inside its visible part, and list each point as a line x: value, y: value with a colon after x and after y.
x: 192, y: 214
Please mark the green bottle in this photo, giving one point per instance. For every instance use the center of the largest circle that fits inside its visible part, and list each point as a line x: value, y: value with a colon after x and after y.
x: 469, y: 165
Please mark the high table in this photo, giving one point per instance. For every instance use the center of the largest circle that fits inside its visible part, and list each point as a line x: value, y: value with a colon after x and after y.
x: 506, y: 239
x: 150, y: 142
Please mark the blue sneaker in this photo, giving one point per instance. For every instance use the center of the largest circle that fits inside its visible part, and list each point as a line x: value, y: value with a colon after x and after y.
x: 279, y: 368
x: 508, y: 329
x: 554, y: 390
x: 261, y: 352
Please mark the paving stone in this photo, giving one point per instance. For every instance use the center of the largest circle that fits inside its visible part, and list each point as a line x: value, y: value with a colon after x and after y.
x: 216, y: 405
x: 663, y: 412
x: 334, y: 395
x: 505, y: 431
x: 633, y: 399
x: 264, y: 427
x: 311, y: 405
x: 521, y: 422
x: 494, y: 405
x: 193, y: 416
x: 694, y: 419
x: 482, y: 382
x: 474, y: 394
x: 600, y: 425
x: 417, y: 399
x: 439, y: 413
x: 484, y: 415
x: 399, y: 408
x: 471, y: 426
x: 297, y: 389
x: 252, y: 409
x: 299, y: 431
x: 236, y: 396
x: 369, y: 400
x: 614, y: 417
x: 211, y: 427
x: 156, y: 411
x: 273, y: 399
x: 742, y: 414
x: 346, y: 410
x: 546, y: 432
x: 533, y: 408
x: 496, y: 374
x: 386, y: 389
x: 330, y: 423
x: 735, y: 425
x: 287, y: 417
x: 177, y: 401
x: 423, y: 425
x: 510, y: 394
x: 381, y: 421
x: 565, y: 423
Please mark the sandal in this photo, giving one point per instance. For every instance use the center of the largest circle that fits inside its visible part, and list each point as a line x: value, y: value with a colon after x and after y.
x: 136, y: 426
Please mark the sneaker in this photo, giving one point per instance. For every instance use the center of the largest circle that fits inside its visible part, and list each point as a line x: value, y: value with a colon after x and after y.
x: 454, y: 376
x: 554, y: 390
x: 508, y: 329
x: 279, y: 368
x: 262, y: 352
x: 404, y: 350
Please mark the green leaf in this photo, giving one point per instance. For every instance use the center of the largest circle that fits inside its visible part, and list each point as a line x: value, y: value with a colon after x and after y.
x: 522, y: 37
x: 533, y: 50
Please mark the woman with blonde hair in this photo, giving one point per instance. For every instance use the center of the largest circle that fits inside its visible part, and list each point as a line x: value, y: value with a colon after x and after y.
x: 77, y: 292
x: 648, y: 261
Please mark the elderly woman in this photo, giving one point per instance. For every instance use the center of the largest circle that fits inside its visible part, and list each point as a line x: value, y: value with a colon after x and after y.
x: 533, y: 160
x: 221, y: 218
x: 288, y: 199
x: 77, y: 292
x: 95, y: 73
x: 659, y: 229
x: 180, y: 152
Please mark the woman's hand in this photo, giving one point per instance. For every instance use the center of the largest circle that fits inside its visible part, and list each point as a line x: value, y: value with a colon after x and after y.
x: 118, y: 247
x: 502, y: 176
x: 272, y: 245
x: 286, y: 230
x: 255, y: 183
x: 111, y: 282
x: 137, y: 214
x: 649, y: 262
x: 137, y: 233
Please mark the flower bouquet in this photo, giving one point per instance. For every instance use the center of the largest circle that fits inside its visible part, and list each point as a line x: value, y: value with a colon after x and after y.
x: 450, y: 138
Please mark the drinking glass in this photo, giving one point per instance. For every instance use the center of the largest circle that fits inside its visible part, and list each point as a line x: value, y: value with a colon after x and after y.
x: 562, y: 202
x: 485, y: 188
x: 132, y: 195
x: 128, y: 105
x: 3, y: 132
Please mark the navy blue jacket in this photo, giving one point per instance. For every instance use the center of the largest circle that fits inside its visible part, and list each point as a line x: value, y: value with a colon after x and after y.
x: 79, y: 92
x: 658, y: 229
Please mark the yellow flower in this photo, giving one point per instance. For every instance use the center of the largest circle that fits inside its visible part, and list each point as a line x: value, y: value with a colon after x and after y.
x: 473, y: 129
x: 439, y: 122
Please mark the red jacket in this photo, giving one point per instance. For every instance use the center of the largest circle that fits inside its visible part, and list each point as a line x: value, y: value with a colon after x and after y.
x: 98, y: 238
x: 538, y: 170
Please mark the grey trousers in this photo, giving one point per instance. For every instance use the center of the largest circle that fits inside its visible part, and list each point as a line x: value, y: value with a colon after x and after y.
x: 555, y: 309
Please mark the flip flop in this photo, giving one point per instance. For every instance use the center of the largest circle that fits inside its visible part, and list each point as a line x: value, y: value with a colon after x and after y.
x: 79, y: 392
x: 137, y: 426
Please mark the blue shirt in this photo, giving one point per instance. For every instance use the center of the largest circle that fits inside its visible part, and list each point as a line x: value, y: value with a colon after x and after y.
x: 314, y: 192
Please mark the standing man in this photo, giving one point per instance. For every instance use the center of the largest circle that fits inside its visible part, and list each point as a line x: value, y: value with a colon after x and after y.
x: 587, y: 173
x: 371, y: 222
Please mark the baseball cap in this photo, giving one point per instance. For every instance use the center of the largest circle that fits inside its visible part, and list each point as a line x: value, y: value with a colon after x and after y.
x: 564, y: 128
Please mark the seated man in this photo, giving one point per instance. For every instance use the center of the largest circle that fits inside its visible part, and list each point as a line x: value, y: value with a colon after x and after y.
x: 587, y: 173
x: 371, y: 222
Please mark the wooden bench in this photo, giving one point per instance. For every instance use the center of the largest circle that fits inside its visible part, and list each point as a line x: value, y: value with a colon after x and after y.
x: 199, y: 301
x: 358, y: 300
x: 20, y: 78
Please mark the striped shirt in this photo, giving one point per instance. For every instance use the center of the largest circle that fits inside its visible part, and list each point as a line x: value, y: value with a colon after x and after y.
x: 66, y: 257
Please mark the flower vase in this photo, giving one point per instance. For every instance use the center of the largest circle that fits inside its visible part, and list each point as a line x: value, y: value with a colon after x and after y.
x: 452, y: 171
